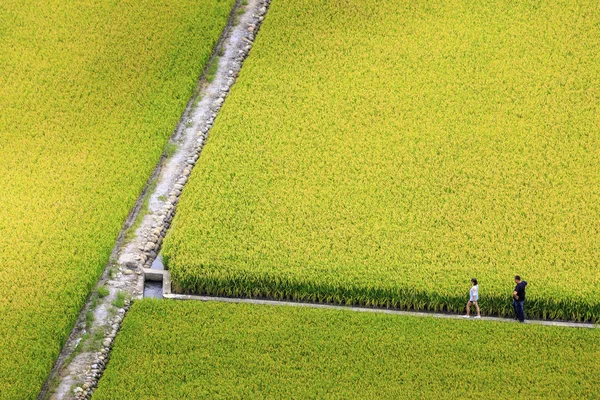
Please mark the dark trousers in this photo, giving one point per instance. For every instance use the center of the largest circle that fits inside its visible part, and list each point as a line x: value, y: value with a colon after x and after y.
x: 519, y: 311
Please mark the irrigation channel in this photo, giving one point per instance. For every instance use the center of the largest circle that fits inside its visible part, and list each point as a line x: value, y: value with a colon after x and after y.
x: 86, y: 352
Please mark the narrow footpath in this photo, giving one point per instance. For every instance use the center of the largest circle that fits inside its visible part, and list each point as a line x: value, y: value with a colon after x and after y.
x: 165, y: 277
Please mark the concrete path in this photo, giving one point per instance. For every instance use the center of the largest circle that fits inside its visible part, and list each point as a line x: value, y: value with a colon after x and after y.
x: 165, y: 277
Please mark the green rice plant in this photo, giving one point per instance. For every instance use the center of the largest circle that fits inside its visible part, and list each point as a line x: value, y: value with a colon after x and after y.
x: 94, y: 302
x: 212, y: 69
x: 103, y: 291
x: 385, y: 152
x: 90, y: 93
x: 241, y: 351
x: 89, y: 319
x: 130, y: 233
x: 170, y: 149
x: 119, y: 300
x: 112, y: 271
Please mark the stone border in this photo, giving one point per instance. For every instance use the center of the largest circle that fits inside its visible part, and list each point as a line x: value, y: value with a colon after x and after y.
x: 163, y: 203
x: 165, y: 277
x: 76, y: 373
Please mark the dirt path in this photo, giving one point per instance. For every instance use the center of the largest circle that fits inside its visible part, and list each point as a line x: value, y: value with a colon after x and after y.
x: 87, y: 350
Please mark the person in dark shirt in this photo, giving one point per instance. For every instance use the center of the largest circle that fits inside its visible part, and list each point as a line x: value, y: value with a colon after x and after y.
x: 519, y: 299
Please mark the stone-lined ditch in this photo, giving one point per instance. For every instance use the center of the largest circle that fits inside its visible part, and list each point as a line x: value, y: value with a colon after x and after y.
x: 87, y: 350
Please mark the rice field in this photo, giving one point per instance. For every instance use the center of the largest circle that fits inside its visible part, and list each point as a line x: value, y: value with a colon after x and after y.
x: 90, y: 92
x: 384, y: 152
x: 176, y: 350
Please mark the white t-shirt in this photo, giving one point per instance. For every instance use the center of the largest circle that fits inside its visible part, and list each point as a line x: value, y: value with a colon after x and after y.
x: 474, y: 293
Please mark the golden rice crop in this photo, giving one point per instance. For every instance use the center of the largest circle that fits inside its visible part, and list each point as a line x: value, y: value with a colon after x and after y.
x: 385, y: 152
x: 89, y: 93
x: 183, y: 350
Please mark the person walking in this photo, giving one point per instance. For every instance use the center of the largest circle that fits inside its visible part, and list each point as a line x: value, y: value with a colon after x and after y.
x: 473, y: 298
x: 519, y: 299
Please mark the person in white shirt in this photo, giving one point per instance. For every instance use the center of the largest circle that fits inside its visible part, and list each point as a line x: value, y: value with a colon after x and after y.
x: 473, y: 298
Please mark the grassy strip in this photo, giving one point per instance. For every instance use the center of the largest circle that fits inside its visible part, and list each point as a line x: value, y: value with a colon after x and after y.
x: 385, y: 152
x: 91, y: 90
x: 175, y: 350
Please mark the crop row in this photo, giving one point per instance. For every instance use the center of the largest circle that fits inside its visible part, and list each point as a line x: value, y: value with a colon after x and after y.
x: 385, y: 152
x: 175, y: 350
